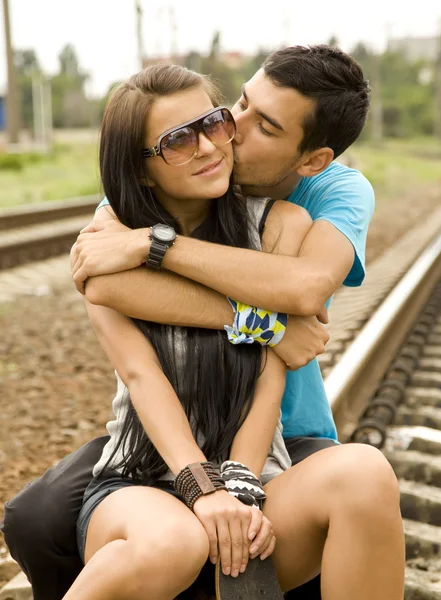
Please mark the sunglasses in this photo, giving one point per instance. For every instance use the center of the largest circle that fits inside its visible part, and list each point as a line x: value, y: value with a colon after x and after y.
x: 179, y: 145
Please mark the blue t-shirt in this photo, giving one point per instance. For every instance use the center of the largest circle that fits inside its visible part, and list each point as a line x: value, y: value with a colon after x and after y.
x: 345, y: 198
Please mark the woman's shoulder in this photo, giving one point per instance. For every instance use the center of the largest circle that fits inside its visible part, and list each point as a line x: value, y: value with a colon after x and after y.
x: 287, y: 222
x: 283, y: 209
x: 278, y: 213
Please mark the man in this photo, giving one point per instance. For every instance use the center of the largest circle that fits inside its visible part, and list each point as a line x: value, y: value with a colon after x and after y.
x: 300, y: 111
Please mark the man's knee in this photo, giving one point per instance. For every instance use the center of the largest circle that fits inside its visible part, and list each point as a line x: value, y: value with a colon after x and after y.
x: 49, y: 506
x: 22, y: 512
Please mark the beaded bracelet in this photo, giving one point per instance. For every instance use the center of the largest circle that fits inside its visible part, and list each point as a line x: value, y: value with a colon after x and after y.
x: 196, y: 480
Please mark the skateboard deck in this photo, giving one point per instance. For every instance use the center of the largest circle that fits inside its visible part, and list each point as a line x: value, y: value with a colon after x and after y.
x: 258, y: 581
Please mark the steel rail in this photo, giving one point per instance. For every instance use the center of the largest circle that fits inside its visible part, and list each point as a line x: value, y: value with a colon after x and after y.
x: 354, y: 378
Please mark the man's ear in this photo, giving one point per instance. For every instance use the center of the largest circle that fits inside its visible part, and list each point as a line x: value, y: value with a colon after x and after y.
x: 315, y: 162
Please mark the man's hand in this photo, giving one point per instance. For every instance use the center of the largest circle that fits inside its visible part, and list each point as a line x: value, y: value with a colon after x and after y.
x: 105, y: 247
x: 304, y: 339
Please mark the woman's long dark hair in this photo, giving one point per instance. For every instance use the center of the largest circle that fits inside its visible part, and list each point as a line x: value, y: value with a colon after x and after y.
x: 217, y: 380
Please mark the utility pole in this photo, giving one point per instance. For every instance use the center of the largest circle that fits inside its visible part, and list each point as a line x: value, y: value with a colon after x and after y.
x: 376, y: 104
x: 141, y: 55
x: 437, y: 115
x: 42, y: 110
x: 12, y: 118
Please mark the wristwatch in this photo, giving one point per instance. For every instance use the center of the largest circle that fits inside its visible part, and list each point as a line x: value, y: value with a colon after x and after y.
x: 162, y: 237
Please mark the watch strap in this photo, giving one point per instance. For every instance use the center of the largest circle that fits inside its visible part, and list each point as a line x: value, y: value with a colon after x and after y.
x: 156, y: 254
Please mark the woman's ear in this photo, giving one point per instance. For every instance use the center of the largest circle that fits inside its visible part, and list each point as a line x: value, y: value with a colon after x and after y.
x: 316, y: 162
x: 147, y: 181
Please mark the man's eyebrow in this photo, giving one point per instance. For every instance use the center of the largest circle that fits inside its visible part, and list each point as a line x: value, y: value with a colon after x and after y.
x: 270, y: 120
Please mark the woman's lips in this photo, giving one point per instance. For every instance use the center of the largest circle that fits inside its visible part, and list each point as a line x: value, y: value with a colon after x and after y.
x: 210, y: 169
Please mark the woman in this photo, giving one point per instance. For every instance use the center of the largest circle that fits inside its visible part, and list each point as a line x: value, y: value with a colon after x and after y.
x: 196, y: 382
x: 139, y: 539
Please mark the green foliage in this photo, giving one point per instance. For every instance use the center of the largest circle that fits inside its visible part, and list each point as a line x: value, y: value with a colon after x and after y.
x: 17, y: 162
x: 70, y: 107
x: 69, y: 170
x: 229, y: 77
x: 407, y: 98
x: 10, y: 162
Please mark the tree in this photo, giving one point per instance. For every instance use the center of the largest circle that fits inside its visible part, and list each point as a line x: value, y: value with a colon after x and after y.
x: 215, y: 46
x: 405, y: 96
x: 69, y: 62
x: 27, y: 66
x: 225, y: 76
x: 26, y: 62
x: 333, y: 41
x: 70, y: 107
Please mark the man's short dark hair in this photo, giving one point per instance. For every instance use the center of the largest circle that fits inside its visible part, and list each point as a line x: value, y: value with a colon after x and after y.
x: 335, y: 81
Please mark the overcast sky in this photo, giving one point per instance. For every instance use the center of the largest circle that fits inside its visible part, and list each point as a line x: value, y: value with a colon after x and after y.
x: 104, y: 31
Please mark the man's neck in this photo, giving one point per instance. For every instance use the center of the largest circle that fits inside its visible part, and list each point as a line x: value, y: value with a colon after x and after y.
x: 276, y: 192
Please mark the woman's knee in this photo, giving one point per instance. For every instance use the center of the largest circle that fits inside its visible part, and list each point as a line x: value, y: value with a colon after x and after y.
x: 170, y: 562
x: 360, y: 478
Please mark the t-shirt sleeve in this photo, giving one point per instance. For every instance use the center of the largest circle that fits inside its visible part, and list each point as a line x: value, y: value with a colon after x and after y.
x: 104, y: 202
x: 349, y: 205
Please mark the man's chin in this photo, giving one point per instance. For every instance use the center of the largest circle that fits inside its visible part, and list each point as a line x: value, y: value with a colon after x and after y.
x: 242, y: 179
x: 248, y: 184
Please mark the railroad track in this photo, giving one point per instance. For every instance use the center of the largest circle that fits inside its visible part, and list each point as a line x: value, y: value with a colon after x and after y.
x: 384, y: 385
x: 385, y: 390
x: 30, y: 233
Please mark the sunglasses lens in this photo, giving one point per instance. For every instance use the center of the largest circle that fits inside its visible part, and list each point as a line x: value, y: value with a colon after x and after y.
x: 219, y: 127
x: 179, y: 146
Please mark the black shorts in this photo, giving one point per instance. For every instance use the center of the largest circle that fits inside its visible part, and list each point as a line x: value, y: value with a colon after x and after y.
x: 100, y: 487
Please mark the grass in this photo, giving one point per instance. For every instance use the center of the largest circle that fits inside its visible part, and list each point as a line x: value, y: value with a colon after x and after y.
x: 395, y: 166
x: 69, y: 170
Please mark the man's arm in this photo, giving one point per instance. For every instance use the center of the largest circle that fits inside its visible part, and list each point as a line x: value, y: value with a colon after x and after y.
x: 164, y: 297
x: 161, y: 297
x: 294, y: 285
x: 139, y: 291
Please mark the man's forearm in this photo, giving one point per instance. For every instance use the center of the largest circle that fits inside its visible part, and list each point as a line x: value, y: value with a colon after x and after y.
x: 161, y: 297
x: 270, y: 281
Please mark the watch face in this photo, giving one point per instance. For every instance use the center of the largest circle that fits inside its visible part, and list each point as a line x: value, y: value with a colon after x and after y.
x: 163, y: 233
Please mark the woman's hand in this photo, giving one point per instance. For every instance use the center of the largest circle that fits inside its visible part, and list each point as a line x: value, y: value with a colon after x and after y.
x: 231, y: 528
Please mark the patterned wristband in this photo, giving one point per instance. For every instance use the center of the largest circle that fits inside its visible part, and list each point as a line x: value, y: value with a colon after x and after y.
x: 242, y: 483
x: 253, y: 324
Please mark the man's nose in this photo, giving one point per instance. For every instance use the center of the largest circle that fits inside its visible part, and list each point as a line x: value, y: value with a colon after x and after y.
x: 239, y: 119
x: 238, y: 138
